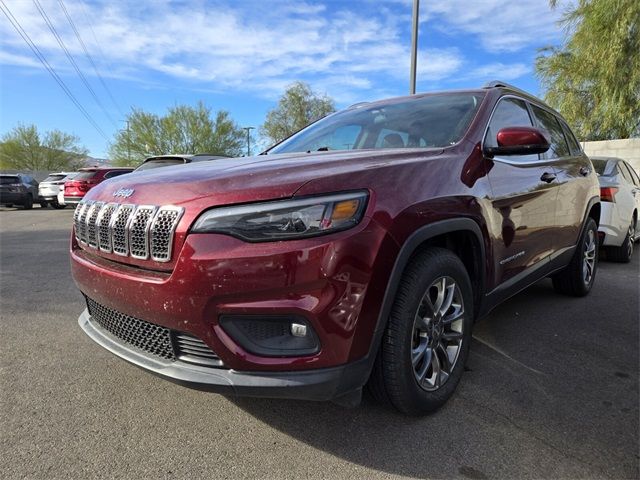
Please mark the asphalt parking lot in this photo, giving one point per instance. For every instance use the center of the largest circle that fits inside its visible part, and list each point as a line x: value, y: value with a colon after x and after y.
x: 551, y: 391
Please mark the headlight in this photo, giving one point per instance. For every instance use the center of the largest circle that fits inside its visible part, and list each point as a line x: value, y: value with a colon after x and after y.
x: 285, y: 219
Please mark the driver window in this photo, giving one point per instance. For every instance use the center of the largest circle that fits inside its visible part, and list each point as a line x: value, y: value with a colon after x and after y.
x: 510, y: 112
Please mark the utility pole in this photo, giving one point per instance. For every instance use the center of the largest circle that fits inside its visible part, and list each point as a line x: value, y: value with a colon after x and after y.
x: 414, y: 47
x: 128, y: 143
x: 248, y: 129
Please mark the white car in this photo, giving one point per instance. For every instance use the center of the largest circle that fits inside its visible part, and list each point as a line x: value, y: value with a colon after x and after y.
x: 49, y: 189
x: 620, y: 203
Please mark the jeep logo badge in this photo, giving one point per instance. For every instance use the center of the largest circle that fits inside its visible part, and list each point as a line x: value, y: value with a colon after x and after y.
x: 123, y: 192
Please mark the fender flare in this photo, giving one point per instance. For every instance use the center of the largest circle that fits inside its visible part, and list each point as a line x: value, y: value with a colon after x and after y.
x: 412, y: 243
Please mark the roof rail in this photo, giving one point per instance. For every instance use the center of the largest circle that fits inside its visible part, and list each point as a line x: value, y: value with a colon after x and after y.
x: 499, y: 83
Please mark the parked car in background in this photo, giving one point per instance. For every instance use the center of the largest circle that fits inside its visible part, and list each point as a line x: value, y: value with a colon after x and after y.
x: 87, y: 178
x: 169, y: 160
x: 361, y: 249
x: 18, y: 189
x: 620, y: 197
x: 50, y: 188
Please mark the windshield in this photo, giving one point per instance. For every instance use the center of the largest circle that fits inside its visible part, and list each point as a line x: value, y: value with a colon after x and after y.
x: 432, y: 121
x: 161, y: 162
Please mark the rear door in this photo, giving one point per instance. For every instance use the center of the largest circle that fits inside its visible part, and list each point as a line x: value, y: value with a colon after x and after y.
x: 573, y: 178
x: 523, y: 200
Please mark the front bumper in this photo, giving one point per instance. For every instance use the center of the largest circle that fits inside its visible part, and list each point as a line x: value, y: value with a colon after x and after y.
x: 318, y: 384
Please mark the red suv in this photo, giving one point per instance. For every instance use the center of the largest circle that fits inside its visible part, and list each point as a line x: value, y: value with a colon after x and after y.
x: 76, y: 189
x: 361, y: 250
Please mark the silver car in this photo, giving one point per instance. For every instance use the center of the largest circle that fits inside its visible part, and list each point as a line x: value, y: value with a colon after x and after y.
x: 51, y: 186
x: 620, y: 203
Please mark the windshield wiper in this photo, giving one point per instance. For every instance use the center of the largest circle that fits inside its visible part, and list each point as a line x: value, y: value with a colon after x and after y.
x: 321, y: 149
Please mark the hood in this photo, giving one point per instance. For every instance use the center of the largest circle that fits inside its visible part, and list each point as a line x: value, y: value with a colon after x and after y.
x: 245, y: 179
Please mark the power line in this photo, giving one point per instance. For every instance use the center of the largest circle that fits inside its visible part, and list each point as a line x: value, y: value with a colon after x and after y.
x: 18, y: 28
x: 45, y: 17
x: 86, y: 52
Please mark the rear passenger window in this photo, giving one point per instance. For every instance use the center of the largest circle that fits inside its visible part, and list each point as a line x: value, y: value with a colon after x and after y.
x: 624, y: 170
x: 574, y: 146
x: 550, y: 123
x: 636, y: 179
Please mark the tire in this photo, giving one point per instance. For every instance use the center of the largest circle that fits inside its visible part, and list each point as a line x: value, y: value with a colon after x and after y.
x: 414, y: 332
x: 57, y: 206
x: 9, y: 205
x: 624, y: 252
x: 577, y: 278
x: 44, y: 204
x: 28, y: 203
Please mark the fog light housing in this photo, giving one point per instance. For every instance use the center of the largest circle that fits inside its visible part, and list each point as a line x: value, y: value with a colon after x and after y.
x: 272, y: 335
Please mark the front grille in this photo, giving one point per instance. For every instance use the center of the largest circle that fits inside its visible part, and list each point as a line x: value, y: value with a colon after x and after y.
x: 146, y: 336
x: 142, y: 232
x: 153, y: 339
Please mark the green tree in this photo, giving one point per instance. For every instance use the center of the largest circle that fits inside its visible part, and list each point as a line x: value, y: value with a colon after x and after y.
x: 297, y: 108
x: 594, y: 78
x: 184, y: 129
x: 24, y: 148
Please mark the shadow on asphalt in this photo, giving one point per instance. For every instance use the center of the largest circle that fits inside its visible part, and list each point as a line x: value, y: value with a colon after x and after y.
x: 546, y: 378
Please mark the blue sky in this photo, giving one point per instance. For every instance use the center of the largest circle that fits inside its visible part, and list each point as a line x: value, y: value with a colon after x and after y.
x: 240, y: 55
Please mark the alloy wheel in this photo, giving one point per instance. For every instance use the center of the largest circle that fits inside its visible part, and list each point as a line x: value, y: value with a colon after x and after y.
x: 437, y: 333
x: 589, y: 257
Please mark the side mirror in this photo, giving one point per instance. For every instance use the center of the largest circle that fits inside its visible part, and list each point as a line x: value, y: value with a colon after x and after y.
x: 519, y: 141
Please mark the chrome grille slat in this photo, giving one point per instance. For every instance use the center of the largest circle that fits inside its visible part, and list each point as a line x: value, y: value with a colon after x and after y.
x: 102, y: 226
x: 92, y: 215
x: 81, y: 225
x: 163, y: 227
x: 118, y: 227
x: 138, y: 231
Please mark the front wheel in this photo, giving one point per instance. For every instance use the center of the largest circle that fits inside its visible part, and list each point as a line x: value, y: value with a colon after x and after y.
x: 57, y: 205
x: 577, y: 278
x: 426, y: 341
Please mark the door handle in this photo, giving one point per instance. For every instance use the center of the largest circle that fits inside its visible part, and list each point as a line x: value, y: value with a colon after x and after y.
x: 548, y: 177
x: 584, y: 171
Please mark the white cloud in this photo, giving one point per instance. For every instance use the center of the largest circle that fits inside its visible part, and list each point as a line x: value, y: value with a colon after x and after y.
x: 500, y: 25
x: 260, y: 47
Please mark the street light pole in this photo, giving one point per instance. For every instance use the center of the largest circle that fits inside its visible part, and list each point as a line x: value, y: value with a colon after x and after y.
x: 248, y: 129
x: 414, y: 47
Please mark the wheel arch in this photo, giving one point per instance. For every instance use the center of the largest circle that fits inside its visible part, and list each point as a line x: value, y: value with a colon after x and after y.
x: 454, y: 234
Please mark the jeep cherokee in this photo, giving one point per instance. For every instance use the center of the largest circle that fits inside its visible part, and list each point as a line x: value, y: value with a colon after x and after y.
x: 359, y: 251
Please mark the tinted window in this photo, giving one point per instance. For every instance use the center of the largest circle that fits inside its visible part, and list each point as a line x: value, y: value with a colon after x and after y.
x: 163, y: 162
x: 599, y: 165
x: 634, y: 175
x: 626, y: 174
x: 510, y: 112
x: 574, y: 146
x: 9, y: 180
x: 549, y: 122
x: 115, y: 173
x: 85, y: 175
x: 429, y: 121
